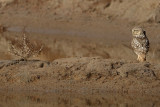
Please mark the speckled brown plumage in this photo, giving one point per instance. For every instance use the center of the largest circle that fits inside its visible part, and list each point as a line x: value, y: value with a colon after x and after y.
x: 140, y: 43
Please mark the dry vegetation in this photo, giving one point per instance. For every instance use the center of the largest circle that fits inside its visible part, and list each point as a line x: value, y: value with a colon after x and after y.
x: 2, y: 29
x: 26, y: 49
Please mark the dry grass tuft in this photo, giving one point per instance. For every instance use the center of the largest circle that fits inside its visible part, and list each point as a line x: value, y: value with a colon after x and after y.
x: 2, y: 29
x: 24, y: 49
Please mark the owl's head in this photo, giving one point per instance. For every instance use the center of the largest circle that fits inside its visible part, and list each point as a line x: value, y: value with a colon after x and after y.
x: 138, y: 32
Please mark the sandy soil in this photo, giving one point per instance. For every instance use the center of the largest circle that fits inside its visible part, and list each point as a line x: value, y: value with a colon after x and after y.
x: 89, y: 74
x: 88, y: 51
x: 49, y: 99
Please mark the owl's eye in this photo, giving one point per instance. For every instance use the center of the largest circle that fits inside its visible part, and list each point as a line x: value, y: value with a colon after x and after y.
x: 144, y: 32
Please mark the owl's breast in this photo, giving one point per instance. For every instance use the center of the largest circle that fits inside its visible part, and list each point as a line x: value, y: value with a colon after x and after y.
x: 140, y: 45
x: 136, y: 43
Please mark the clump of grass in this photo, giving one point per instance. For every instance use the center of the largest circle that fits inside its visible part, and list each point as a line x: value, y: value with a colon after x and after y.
x: 24, y: 49
x: 2, y: 29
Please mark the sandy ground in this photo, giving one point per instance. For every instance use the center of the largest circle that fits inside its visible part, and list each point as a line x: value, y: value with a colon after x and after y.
x: 81, y: 52
x: 49, y: 99
x: 86, y: 74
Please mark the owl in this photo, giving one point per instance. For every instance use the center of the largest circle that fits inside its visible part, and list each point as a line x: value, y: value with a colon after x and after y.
x: 140, y: 43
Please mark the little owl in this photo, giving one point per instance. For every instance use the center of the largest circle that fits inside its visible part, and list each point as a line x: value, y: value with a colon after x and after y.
x: 140, y: 43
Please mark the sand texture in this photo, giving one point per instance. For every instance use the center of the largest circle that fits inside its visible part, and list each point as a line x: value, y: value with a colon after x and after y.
x: 86, y: 45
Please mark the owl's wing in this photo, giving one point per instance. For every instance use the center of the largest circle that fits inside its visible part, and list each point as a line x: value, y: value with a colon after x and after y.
x: 146, y: 44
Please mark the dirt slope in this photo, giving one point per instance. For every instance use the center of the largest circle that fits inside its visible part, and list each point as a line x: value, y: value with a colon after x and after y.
x: 137, y: 11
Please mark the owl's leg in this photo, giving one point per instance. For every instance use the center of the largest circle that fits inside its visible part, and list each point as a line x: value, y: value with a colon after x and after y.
x: 138, y: 58
x: 141, y: 57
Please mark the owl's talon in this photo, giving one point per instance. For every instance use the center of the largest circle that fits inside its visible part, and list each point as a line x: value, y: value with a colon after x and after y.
x: 141, y: 58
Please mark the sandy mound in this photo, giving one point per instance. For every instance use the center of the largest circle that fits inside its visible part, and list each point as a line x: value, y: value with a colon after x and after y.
x: 80, y: 74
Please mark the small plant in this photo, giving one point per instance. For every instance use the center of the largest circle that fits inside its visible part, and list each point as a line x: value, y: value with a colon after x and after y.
x: 24, y: 49
x: 2, y: 29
